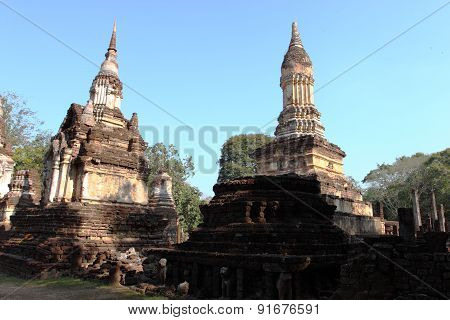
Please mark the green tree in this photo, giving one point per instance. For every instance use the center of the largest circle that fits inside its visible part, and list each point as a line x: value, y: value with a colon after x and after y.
x: 187, y: 197
x: 188, y: 201
x: 21, y: 123
x: 24, y: 133
x: 392, y: 183
x: 433, y: 174
x: 236, y: 159
x: 31, y: 155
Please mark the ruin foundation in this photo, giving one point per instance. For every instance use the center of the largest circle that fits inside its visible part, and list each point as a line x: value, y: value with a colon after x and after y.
x: 274, y: 238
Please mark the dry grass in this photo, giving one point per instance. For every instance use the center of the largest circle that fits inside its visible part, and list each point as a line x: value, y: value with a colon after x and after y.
x: 64, y: 288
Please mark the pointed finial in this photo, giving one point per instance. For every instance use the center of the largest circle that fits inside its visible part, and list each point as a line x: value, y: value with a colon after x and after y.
x: 295, y: 39
x: 112, y: 43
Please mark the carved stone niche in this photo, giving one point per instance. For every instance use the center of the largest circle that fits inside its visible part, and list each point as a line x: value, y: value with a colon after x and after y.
x: 272, y: 210
x: 261, y: 209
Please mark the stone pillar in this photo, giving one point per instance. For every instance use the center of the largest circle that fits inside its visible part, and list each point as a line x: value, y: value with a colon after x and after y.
x: 66, y: 157
x: 441, y: 219
x: 55, y: 179
x: 434, y: 213
x: 406, y: 224
x: 416, y: 210
x: 84, y: 185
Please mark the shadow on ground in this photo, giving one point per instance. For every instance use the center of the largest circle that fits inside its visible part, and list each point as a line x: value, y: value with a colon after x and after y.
x: 64, y: 288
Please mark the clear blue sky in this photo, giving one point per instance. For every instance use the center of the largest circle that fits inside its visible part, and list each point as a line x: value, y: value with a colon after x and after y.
x: 218, y: 64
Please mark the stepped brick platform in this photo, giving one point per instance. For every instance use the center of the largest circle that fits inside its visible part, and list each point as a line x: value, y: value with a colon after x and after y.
x: 270, y: 237
x: 265, y: 232
x: 55, y: 235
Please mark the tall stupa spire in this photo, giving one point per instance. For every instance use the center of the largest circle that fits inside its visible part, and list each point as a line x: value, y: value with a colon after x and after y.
x: 295, y: 38
x: 106, y: 89
x: 300, y: 116
x: 110, y: 65
x: 112, y: 42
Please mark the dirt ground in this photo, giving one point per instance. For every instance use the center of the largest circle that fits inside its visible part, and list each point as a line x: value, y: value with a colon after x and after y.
x: 12, y: 288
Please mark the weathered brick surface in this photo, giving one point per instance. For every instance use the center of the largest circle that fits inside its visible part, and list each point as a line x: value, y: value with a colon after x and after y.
x: 55, y: 233
x: 260, y: 228
x: 396, y: 270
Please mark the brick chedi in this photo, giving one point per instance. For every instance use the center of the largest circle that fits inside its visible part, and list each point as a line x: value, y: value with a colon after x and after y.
x: 6, y: 161
x: 97, y: 155
x: 162, y: 201
x: 22, y: 193
x: 95, y: 200
x: 299, y: 146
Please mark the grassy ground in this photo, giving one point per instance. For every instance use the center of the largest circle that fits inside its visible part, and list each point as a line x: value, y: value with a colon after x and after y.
x: 63, y: 288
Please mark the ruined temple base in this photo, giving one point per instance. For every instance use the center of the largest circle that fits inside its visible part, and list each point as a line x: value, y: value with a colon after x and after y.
x: 75, y: 235
x: 265, y: 233
x: 275, y: 237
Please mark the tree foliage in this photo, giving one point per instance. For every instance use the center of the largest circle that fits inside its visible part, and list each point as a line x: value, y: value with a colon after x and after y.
x: 236, y: 159
x: 24, y: 133
x: 187, y: 197
x: 31, y: 155
x: 22, y: 124
x: 392, y: 183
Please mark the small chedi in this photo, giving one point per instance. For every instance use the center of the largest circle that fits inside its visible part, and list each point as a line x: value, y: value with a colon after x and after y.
x: 301, y: 148
x: 22, y: 194
x: 162, y: 201
x: 6, y: 161
x: 95, y: 200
